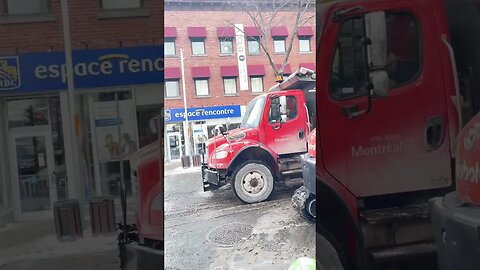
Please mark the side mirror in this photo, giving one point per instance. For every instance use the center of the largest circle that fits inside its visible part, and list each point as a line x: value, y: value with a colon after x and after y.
x: 381, y: 83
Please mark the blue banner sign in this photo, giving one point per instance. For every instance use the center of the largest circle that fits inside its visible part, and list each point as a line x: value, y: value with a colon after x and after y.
x: 205, y: 113
x: 46, y: 71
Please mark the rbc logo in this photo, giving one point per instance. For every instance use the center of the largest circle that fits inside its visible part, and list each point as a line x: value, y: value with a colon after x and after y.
x: 168, y: 115
x: 9, y: 73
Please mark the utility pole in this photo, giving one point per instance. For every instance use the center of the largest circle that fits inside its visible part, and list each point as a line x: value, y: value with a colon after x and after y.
x: 71, y: 102
x: 186, y: 128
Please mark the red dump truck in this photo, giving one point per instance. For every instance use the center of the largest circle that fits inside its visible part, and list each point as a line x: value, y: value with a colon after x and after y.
x: 267, y: 146
x: 397, y: 81
x: 141, y: 244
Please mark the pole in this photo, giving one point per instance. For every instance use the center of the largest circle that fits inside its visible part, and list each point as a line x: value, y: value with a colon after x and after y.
x: 186, y: 125
x: 123, y: 197
x: 71, y: 100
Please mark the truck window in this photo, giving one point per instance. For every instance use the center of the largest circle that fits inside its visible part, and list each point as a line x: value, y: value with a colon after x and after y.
x: 403, y: 48
x: 348, y: 67
x: 403, y: 55
x: 283, y: 108
x: 253, y: 114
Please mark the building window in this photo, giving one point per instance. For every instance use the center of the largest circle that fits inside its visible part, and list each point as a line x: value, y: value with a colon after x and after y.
x: 253, y: 45
x: 230, y: 86
x: 198, y: 46
x: 172, y: 89
x: 304, y: 44
x: 257, y: 84
x: 28, y: 6
x: 279, y: 45
x: 121, y: 4
x: 201, y: 87
x: 170, y: 47
x: 226, y: 46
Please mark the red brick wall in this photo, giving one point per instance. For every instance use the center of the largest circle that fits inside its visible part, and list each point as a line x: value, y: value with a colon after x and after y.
x: 87, y: 30
x: 211, y: 20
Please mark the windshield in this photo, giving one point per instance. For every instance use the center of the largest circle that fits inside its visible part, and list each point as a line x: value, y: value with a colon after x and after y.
x: 252, y: 116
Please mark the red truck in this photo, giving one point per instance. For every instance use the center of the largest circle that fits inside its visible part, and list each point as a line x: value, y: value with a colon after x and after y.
x: 268, y: 145
x: 397, y: 80
x: 141, y: 244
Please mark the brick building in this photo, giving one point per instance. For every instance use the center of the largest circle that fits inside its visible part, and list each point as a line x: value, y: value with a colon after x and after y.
x: 206, y: 33
x: 117, y: 52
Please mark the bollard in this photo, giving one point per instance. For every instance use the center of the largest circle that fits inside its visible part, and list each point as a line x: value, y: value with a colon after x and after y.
x: 186, y: 161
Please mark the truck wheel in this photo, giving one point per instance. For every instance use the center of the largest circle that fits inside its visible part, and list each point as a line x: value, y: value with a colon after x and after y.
x: 327, y: 256
x: 252, y: 182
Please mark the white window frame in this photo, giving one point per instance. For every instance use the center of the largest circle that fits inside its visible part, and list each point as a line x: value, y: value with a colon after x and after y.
x: 251, y: 83
x: 170, y: 40
x: 198, y: 40
x: 225, y: 86
x: 226, y: 39
x: 307, y: 39
x: 284, y: 41
x: 254, y: 39
x: 197, y: 80
x: 177, y: 81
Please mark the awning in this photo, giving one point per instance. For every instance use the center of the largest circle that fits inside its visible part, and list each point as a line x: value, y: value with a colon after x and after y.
x: 308, y: 65
x: 225, y: 32
x: 170, y: 32
x: 201, y: 72
x: 197, y: 32
x: 279, y: 31
x: 256, y: 70
x: 252, y: 31
x: 172, y: 73
x: 286, y: 70
x: 305, y: 31
x: 229, y: 71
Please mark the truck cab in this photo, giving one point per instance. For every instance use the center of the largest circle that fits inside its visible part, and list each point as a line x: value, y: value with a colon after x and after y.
x: 388, y: 112
x: 268, y: 144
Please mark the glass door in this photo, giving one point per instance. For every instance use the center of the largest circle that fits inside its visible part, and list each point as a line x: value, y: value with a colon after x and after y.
x: 33, y: 173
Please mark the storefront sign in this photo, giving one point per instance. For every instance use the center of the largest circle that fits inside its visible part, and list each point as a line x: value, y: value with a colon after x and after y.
x: 46, y: 71
x: 198, y: 114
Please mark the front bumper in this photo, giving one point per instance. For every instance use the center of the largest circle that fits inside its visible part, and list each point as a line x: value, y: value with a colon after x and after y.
x: 211, y: 178
x: 457, y: 233
x: 309, y: 172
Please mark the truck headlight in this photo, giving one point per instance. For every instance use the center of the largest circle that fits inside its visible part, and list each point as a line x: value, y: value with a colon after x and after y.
x: 220, y: 154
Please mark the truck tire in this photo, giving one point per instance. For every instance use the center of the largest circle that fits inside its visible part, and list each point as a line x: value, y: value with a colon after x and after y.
x: 327, y: 256
x: 252, y: 182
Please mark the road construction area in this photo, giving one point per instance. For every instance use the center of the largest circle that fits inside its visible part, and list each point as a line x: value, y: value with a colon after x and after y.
x: 214, y: 230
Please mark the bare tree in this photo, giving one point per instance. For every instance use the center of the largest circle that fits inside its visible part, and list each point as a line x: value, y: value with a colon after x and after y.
x: 267, y: 14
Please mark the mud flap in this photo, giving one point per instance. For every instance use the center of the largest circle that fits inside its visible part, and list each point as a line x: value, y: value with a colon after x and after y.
x: 143, y: 258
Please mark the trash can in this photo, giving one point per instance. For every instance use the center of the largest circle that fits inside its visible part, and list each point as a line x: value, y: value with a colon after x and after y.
x: 186, y: 161
x: 102, y: 215
x: 197, y: 160
x: 68, y: 223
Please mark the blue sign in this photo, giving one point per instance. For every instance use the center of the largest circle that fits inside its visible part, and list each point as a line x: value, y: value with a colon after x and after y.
x: 34, y: 72
x: 205, y: 113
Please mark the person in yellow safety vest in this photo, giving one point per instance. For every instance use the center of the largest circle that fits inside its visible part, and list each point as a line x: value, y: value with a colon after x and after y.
x: 303, y: 263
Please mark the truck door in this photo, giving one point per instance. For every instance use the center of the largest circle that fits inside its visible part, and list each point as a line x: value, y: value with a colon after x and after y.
x: 402, y: 143
x: 286, y: 128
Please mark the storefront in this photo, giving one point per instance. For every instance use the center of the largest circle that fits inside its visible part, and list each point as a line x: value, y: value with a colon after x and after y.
x: 201, y: 121
x: 36, y: 167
